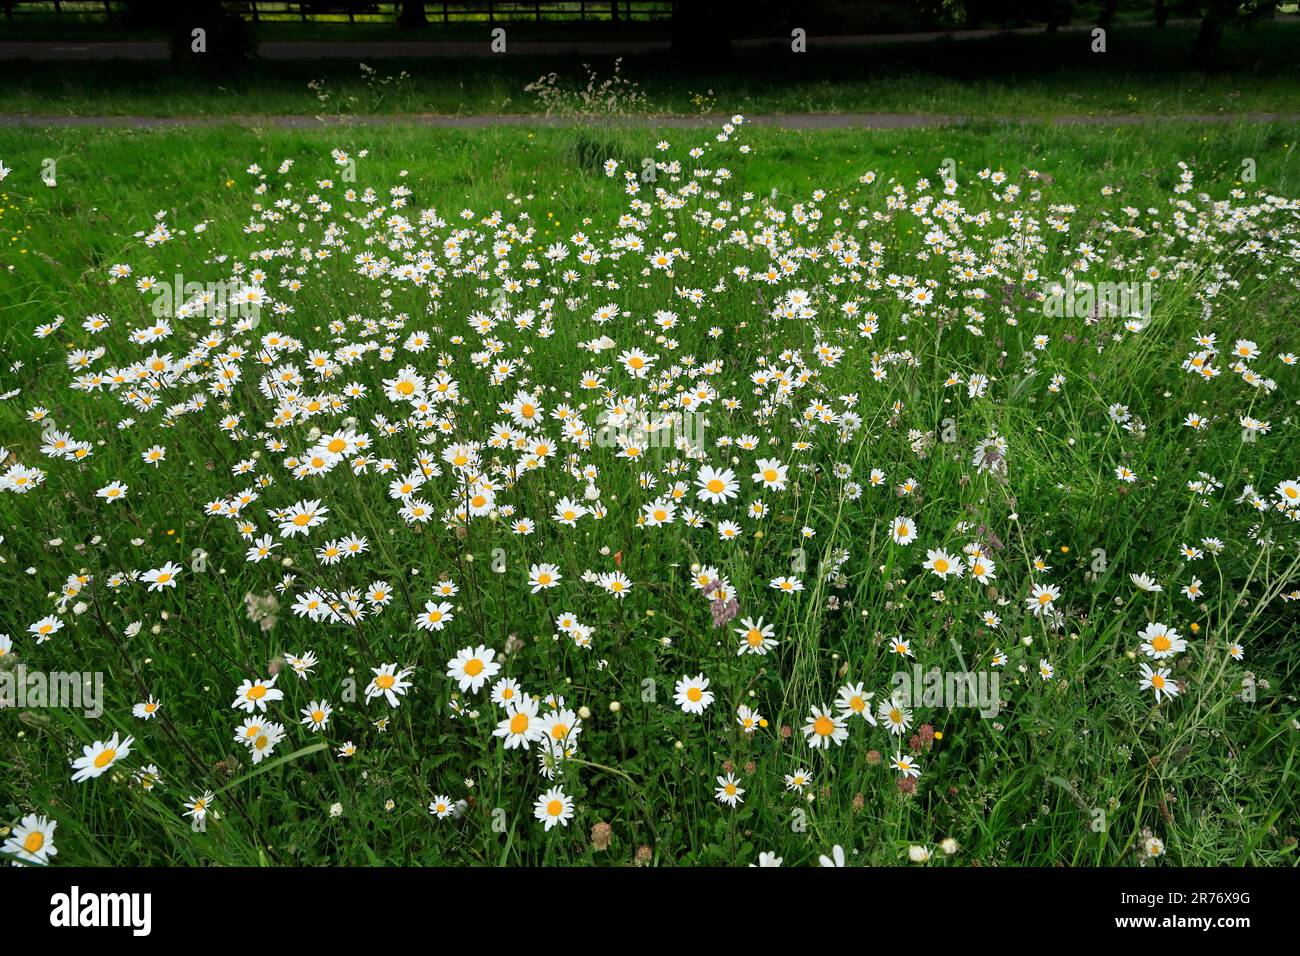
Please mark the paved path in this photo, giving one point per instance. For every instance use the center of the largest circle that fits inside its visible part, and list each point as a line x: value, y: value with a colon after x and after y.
x: 796, y: 121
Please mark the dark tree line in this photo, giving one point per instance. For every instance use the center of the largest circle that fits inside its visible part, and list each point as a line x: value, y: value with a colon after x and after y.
x: 1215, y: 16
x: 705, y: 27
x: 702, y: 30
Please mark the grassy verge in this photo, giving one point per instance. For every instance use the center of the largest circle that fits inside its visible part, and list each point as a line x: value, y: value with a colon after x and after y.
x: 1212, y: 774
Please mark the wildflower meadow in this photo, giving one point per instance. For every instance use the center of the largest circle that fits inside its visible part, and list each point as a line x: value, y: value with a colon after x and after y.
x: 611, y: 496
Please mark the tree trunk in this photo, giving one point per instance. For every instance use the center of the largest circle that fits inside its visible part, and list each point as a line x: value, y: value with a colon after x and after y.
x: 1208, y: 37
x: 412, y: 16
x: 1161, y: 13
x: 1059, y: 14
x: 701, y: 32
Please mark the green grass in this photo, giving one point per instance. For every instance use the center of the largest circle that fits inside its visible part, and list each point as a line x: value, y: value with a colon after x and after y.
x: 1144, y: 71
x: 1210, y: 774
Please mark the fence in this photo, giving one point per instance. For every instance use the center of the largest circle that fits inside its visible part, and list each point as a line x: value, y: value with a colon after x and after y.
x: 449, y: 12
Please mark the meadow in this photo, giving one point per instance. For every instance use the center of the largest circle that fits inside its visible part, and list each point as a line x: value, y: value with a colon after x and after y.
x: 578, y: 496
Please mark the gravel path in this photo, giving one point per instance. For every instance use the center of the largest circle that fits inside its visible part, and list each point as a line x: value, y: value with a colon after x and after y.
x: 794, y: 121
